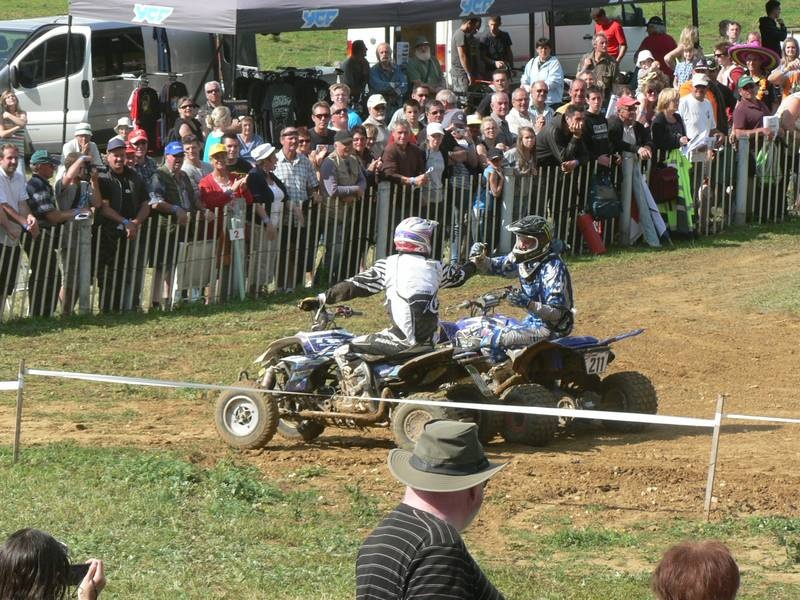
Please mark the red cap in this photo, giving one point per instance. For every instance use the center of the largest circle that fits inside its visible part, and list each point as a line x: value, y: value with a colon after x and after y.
x: 137, y: 135
x: 627, y: 101
x: 129, y: 149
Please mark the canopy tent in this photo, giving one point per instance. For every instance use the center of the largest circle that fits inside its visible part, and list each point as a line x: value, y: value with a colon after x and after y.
x: 274, y: 16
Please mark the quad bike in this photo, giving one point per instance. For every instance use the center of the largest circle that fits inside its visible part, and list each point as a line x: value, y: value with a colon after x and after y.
x: 297, y: 391
x: 557, y: 373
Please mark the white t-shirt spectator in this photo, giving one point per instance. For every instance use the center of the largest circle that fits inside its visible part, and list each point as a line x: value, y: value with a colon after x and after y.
x: 14, y: 193
x: 698, y: 117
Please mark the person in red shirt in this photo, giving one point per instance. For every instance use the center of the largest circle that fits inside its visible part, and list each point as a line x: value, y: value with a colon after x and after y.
x: 617, y: 44
x: 659, y: 43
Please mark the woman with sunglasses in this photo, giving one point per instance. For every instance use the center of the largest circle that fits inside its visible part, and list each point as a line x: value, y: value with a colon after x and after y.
x: 729, y: 72
x: 12, y: 125
x: 187, y: 122
x: 648, y: 103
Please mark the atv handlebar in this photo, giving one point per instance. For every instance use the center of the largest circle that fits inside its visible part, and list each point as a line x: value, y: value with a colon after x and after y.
x: 485, y: 302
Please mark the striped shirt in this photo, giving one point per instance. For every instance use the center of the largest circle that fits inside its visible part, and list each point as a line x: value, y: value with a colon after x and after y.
x: 413, y: 554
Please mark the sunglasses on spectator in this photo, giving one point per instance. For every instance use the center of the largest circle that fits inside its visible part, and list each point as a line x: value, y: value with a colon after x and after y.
x: 718, y: 54
x: 323, y: 116
x: 436, y: 112
x: 653, y: 92
x: 341, y: 111
x: 304, y: 140
x: 188, y: 106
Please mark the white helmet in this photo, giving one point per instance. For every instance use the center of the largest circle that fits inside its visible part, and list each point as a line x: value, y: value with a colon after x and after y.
x: 415, y: 235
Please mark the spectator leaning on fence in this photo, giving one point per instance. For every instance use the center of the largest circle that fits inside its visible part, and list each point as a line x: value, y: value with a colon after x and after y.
x: 626, y: 134
x: 15, y: 220
x: 544, y: 67
x: 560, y: 143
x: 124, y: 211
x: 45, y: 280
x: 668, y: 130
x: 596, y: 136
x: 698, y: 117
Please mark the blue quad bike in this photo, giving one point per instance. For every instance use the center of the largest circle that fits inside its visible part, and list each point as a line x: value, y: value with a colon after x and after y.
x: 559, y: 373
x: 297, y: 393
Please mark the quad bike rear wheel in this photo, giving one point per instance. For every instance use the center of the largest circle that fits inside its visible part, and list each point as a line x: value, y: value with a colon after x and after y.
x: 246, y: 420
x: 533, y: 430
x: 632, y: 392
x: 408, y: 421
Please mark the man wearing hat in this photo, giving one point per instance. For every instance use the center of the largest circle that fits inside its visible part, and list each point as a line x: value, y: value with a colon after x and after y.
x: 122, y: 128
x: 376, y: 104
x: 626, y: 134
x: 344, y: 184
x: 144, y: 165
x: 659, y: 43
x: 45, y: 280
x: 423, y: 66
x: 417, y: 550
x: 720, y: 96
x: 698, y: 115
x: 121, y: 250
x: 172, y: 200
x: 81, y: 142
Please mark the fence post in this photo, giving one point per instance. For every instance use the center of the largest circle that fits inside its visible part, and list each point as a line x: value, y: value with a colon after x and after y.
x: 740, y: 212
x: 18, y: 420
x: 626, y: 193
x: 382, y: 209
x: 712, y: 463
x: 507, y: 210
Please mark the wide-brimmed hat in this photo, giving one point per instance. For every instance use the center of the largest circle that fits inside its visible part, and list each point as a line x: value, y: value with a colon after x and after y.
x: 643, y: 56
x: 263, y: 152
x: 83, y: 128
x: 122, y: 122
x: 740, y: 54
x: 447, y: 458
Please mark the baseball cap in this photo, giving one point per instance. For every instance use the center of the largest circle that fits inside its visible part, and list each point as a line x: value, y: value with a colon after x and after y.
x: 115, y: 144
x: 217, y: 149
x: 173, y: 148
x: 627, y: 101
x: 129, y: 149
x: 421, y: 41
x: 376, y: 100
x: 655, y: 20
x: 83, y: 129
x: 458, y: 119
x: 42, y: 157
x: 137, y: 135
x: 699, y: 79
x: 434, y: 128
x: 474, y: 119
x: 263, y: 151
x: 343, y: 137
x: 450, y: 115
x: 745, y: 80
x: 494, y: 154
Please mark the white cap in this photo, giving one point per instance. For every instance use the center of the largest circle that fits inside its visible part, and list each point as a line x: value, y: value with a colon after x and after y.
x: 83, y: 129
x: 643, y: 56
x: 122, y: 122
x: 699, y: 79
x: 263, y: 151
x: 434, y: 128
x: 375, y: 100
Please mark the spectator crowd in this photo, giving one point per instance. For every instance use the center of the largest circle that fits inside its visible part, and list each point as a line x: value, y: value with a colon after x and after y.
x: 444, y: 137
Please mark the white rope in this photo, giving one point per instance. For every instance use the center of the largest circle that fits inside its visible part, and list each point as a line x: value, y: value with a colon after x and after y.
x: 9, y: 385
x: 767, y: 419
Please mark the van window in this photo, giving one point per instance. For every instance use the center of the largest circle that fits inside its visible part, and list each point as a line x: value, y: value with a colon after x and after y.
x: 9, y: 42
x: 117, y: 51
x: 576, y: 16
x: 46, y: 62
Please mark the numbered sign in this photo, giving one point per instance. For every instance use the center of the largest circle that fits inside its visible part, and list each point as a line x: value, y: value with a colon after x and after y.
x: 236, y: 233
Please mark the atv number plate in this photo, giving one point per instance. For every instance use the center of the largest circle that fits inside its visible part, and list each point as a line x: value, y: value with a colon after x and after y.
x: 596, y: 362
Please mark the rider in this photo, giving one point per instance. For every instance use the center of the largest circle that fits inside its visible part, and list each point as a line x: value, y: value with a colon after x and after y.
x: 411, y: 280
x: 545, y: 285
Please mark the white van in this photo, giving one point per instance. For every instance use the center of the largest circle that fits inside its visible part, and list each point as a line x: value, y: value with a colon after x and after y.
x: 573, y: 31
x: 105, y: 60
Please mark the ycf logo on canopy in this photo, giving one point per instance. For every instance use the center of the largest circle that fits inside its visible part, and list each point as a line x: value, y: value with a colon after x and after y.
x: 475, y: 7
x: 322, y: 17
x: 150, y: 13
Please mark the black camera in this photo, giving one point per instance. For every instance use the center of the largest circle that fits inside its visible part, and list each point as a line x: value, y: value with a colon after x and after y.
x: 77, y: 573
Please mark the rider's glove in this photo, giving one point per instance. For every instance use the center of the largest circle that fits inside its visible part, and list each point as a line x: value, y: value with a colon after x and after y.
x: 518, y: 297
x: 477, y: 249
x: 477, y: 256
x: 311, y: 302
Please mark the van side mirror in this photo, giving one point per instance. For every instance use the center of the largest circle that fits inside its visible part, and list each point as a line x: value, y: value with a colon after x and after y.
x: 13, y: 76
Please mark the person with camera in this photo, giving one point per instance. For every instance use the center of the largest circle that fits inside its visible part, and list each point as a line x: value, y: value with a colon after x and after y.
x: 35, y: 565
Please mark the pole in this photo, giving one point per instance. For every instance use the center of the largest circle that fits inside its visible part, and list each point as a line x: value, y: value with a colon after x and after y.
x: 740, y: 212
x: 20, y: 396
x: 382, y: 209
x: 627, y: 194
x: 507, y: 209
x: 695, y: 14
x: 712, y: 465
x: 66, y: 81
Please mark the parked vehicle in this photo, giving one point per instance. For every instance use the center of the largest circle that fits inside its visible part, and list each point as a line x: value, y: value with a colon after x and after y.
x: 571, y: 31
x: 303, y: 381
x: 562, y: 373
x: 105, y: 61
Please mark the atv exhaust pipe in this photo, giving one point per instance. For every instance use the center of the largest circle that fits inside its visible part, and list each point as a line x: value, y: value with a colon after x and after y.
x: 370, y: 418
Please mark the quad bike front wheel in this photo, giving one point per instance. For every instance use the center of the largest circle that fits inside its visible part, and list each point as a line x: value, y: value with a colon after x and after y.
x: 246, y: 420
x: 305, y: 430
x: 408, y: 421
x: 628, y: 391
x: 533, y: 430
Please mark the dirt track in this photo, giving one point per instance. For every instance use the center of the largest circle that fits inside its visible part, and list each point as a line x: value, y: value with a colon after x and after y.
x: 704, y: 337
